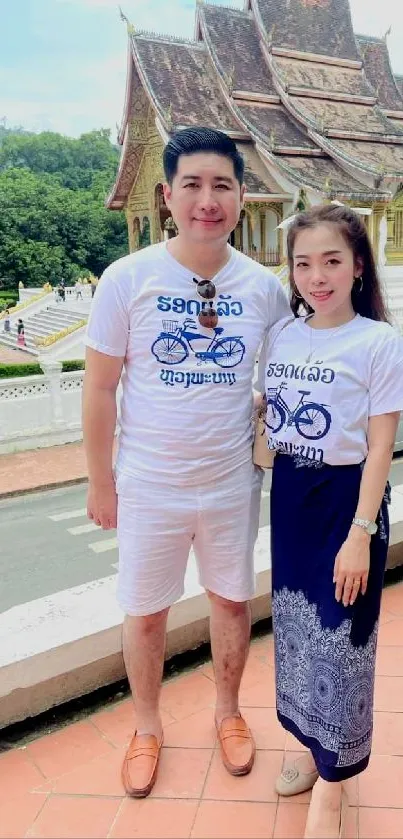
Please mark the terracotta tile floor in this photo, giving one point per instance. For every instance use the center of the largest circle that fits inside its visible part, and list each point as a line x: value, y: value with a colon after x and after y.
x: 67, y: 784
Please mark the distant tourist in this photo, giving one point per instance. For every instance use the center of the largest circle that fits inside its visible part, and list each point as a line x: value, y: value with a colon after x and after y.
x: 78, y: 288
x: 7, y: 322
x: 185, y: 318
x: 20, y: 333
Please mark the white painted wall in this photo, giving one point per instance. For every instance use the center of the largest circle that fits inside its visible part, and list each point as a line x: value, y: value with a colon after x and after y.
x: 40, y: 411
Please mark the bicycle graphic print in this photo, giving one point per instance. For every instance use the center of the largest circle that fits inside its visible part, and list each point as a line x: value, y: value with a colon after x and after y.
x: 311, y: 419
x: 175, y: 343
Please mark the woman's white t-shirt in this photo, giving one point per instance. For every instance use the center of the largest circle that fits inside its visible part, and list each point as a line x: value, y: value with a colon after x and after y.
x: 322, y: 385
x: 187, y: 391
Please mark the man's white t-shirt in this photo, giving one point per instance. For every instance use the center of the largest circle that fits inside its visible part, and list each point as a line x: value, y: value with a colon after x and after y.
x: 187, y: 391
x: 318, y: 408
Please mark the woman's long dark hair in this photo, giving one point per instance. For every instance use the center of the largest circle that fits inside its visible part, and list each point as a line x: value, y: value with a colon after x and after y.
x: 367, y: 300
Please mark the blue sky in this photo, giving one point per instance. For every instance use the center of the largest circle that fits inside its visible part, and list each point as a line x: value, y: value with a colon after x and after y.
x: 63, y: 62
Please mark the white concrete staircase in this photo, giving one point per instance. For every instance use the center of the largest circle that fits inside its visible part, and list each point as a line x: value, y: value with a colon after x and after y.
x: 41, y: 324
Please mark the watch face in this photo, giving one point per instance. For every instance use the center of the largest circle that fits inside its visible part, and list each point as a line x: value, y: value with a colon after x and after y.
x: 372, y: 528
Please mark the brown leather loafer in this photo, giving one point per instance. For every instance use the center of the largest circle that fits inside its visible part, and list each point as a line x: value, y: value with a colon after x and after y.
x: 139, y: 769
x: 237, y: 745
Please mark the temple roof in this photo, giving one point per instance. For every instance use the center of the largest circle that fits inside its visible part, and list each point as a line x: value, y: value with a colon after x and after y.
x: 258, y: 180
x: 378, y: 157
x: 288, y: 79
x: 311, y: 75
x: 321, y: 27
x: 232, y: 53
x: 375, y: 55
x: 182, y: 84
x: 273, y: 126
x: 326, y: 177
x: 330, y: 117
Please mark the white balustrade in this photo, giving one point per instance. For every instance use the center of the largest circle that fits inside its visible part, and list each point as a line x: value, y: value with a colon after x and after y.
x: 38, y: 411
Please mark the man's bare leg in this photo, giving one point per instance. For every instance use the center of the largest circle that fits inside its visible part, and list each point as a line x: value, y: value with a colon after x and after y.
x: 143, y: 651
x: 230, y: 625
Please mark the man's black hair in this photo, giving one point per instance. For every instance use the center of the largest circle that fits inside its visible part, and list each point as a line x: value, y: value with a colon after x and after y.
x: 199, y: 139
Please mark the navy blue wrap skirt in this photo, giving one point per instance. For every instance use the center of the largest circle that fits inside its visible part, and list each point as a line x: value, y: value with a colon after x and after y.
x: 324, y: 652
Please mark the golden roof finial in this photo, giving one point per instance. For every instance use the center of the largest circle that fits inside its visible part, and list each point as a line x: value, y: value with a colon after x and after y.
x: 388, y: 31
x: 328, y: 185
x: 129, y: 26
x: 272, y: 138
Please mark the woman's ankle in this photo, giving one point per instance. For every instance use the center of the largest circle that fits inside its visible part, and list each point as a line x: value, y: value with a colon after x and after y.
x: 329, y: 792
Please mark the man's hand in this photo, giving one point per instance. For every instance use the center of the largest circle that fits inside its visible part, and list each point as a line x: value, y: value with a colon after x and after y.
x: 102, y: 504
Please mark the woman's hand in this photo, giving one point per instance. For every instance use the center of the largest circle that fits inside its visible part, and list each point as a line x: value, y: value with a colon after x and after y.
x: 351, y: 567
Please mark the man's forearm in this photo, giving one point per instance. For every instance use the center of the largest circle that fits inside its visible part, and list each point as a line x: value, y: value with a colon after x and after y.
x: 99, y: 424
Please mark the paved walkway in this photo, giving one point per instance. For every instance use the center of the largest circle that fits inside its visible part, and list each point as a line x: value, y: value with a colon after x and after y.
x: 41, y: 468
x: 14, y: 356
x: 67, y: 784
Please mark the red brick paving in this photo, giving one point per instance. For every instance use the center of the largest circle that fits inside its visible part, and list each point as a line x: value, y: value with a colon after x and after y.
x: 10, y: 356
x: 24, y: 471
x: 67, y: 784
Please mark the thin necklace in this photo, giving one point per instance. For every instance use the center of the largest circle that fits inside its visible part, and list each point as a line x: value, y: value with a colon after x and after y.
x: 333, y: 332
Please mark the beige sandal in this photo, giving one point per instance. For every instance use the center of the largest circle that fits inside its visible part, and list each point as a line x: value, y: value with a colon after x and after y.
x: 292, y: 781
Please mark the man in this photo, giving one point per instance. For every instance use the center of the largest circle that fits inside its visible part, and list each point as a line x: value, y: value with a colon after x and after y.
x: 185, y: 319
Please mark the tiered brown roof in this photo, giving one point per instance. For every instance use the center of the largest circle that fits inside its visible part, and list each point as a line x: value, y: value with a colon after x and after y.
x: 321, y: 27
x: 297, y: 76
x: 234, y: 42
x: 258, y: 180
x: 289, y: 80
x: 378, y: 70
x: 182, y: 83
x: 272, y: 125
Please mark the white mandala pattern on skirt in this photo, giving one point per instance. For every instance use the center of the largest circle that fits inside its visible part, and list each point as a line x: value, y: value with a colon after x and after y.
x: 325, y: 685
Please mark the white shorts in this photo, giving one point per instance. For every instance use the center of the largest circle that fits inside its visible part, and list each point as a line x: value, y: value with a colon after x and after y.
x: 158, y: 524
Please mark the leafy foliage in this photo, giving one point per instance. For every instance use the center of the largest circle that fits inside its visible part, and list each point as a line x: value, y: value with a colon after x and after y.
x: 53, y: 220
x: 9, y: 371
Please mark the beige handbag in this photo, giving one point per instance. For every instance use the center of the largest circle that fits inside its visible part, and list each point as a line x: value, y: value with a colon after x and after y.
x: 261, y: 455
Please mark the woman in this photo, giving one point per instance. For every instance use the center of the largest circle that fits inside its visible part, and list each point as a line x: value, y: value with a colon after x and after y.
x: 334, y: 390
x: 7, y: 321
x: 20, y: 333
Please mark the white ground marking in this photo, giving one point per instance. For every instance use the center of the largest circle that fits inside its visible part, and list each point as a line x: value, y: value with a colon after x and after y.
x: 69, y: 514
x: 83, y: 528
x: 104, y: 545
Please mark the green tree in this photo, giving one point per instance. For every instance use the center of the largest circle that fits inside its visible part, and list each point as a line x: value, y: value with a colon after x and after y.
x: 53, y: 219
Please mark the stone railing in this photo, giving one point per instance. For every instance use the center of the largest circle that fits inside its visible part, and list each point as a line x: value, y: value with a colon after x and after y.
x: 57, y: 336
x: 38, y: 411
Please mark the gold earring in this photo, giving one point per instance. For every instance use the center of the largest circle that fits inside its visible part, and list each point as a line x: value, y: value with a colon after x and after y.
x: 361, y: 284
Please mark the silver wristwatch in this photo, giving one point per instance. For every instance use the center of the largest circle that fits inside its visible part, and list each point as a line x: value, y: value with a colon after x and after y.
x: 369, y: 526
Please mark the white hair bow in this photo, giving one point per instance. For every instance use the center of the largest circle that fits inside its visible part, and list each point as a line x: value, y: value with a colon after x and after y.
x: 361, y: 211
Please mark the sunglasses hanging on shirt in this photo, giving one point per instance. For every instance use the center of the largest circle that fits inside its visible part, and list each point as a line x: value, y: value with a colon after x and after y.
x: 207, y: 317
